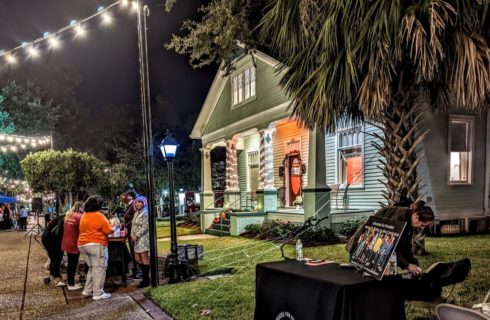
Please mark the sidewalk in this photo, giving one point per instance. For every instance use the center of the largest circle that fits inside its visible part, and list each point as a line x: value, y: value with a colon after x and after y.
x: 23, y: 294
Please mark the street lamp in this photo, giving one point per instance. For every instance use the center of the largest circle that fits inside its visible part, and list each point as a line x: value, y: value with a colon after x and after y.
x: 173, y: 268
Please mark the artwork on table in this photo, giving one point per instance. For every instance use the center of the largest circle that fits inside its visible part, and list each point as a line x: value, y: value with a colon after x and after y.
x: 376, y: 244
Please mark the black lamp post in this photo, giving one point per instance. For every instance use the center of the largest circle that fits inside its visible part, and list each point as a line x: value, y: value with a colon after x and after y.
x: 173, y: 268
x: 143, y: 12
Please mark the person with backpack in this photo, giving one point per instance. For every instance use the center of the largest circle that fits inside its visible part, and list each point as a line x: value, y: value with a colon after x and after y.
x: 51, y: 239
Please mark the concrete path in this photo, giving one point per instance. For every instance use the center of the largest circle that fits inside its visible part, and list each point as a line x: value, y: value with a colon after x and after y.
x: 23, y: 294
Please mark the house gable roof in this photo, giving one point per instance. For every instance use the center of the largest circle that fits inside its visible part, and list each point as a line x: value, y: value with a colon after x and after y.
x: 215, y: 92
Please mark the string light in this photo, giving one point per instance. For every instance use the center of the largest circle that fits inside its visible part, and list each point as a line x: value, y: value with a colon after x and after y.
x: 17, y: 142
x: 52, y: 39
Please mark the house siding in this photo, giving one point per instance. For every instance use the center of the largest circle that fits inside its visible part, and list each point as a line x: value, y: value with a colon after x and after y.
x: 370, y: 196
x: 452, y: 201
x: 268, y: 95
x: 250, y: 143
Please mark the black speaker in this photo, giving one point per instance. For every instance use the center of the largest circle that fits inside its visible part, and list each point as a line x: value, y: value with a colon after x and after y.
x: 37, y: 204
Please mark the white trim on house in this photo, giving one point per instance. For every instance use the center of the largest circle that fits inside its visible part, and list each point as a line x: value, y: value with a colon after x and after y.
x: 217, y: 87
x: 272, y: 114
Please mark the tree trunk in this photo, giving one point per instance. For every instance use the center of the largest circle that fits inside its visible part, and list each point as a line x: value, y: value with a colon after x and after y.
x: 402, y: 136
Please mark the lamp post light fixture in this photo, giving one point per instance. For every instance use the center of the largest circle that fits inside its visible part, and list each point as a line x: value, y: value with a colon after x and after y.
x: 173, y: 267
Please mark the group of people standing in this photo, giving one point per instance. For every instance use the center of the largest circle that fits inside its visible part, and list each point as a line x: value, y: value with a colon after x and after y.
x: 85, y: 230
x: 14, y: 218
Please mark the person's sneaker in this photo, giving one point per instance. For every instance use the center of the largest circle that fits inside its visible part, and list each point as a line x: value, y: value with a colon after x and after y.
x: 59, y: 283
x: 102, y: 296
x: 86, y: 294
x: 77, y: 286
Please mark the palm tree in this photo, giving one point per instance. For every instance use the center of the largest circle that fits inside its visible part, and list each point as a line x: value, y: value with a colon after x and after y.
x: 383, y: 61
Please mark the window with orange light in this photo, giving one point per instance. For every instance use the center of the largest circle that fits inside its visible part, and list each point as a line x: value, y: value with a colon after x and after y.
x: 350, y: 156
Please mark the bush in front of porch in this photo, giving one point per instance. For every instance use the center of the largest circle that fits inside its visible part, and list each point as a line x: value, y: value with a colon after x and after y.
x: 278, y: 231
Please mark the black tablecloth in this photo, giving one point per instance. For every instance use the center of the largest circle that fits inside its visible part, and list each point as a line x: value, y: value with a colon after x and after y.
x: 289, y: 289
x: 115, y: 264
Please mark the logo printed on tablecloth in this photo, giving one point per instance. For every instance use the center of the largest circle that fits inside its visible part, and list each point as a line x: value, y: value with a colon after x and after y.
x: 284, y: 315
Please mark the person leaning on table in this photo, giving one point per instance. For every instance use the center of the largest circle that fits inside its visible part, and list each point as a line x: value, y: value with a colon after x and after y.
x: 417, y: 216
x: 92, y: 243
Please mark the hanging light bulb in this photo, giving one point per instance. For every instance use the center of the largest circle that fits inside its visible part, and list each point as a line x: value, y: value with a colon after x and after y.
x: 11, y: 59
x: 54, y: 43
x: 10, y: 139
x: 124, y: 3
x: 134, y: 6
x: 106, y: 18
x: 18, y: 140
x: 80, y: 30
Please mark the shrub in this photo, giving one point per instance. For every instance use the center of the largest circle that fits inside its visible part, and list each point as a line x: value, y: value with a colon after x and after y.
x: 349, y: 227
x: 277, y: 230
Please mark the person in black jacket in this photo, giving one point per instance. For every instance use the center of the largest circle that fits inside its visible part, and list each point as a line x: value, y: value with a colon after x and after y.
x: 51, y: 238
x: 417, y: 216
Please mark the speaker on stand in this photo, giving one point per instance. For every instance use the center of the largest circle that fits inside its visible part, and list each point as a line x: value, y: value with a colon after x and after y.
x: 37, y: 208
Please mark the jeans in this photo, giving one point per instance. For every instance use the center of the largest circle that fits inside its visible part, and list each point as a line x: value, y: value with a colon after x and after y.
x: 23, y: 223
x: 95, y: 256
x: 72, y: 267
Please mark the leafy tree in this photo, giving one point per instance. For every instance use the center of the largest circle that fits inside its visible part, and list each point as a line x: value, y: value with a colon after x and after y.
x: 32, y: 112
x: 72, y: 172
x: 382, y: 61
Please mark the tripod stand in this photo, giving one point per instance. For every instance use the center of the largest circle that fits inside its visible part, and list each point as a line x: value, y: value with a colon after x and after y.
x: 36, y: 229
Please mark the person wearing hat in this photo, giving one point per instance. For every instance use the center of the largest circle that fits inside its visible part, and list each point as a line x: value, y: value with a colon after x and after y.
x: 140, y: 235
x: 92, y: 243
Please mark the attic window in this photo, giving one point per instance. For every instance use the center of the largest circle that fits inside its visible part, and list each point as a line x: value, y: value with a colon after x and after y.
x: 243, y: 86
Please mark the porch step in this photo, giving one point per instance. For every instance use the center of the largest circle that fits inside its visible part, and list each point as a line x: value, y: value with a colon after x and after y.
x: 216, y: 232
x: 217, y: 226
x: 225, y: 221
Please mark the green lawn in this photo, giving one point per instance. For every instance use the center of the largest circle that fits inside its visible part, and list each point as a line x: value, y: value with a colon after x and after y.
x: 233, y: 297
x: 163, y: 230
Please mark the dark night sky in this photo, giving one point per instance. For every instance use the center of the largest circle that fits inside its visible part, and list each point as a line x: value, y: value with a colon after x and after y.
x: 107, y: 58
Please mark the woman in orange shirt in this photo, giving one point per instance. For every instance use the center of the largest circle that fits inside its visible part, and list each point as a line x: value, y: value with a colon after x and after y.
x: 92, y: 243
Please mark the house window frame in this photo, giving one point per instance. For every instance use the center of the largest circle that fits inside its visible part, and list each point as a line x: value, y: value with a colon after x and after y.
x: 234, y: 76
x: 249, y: 165
x: 471, y: 121
x: 337, y: 155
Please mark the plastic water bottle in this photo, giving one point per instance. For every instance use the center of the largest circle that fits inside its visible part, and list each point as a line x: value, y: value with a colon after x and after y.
x: 392, y: 265
x: 299, y: 250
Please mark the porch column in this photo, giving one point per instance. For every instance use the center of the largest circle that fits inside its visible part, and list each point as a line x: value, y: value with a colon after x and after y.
x: 267, y: 193
x: 232, y: 189
x: 207, y: 194
x: 317, y: 194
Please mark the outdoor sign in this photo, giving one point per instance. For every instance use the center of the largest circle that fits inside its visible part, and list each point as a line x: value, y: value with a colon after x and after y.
x: 376, y: 244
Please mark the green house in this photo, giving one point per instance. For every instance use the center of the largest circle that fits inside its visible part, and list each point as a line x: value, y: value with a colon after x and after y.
x: 276, y: 169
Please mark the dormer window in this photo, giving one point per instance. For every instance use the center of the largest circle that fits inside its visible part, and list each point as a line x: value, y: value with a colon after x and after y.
x: 243, y: 86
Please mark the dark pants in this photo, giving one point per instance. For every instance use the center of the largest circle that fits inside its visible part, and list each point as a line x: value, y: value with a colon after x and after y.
x: 55, y: 255
x: 23, y: 223
x: 6, y: 222
x: 131, y: 250
x: 72, y: 267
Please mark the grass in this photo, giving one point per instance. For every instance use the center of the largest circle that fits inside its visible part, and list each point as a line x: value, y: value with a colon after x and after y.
x: 163, y: 230
x: 233, y: 297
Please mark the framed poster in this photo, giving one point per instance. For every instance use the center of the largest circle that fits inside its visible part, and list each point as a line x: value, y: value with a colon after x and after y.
x: 375, y: 245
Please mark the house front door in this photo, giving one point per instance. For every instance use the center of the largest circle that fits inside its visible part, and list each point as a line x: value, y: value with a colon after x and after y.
x: 293, y: 177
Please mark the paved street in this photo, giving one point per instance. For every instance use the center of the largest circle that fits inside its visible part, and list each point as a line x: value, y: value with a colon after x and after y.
x: 23, y: 295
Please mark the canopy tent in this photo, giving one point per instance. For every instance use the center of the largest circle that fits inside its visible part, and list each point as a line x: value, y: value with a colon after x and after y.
x: 7, y: 199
